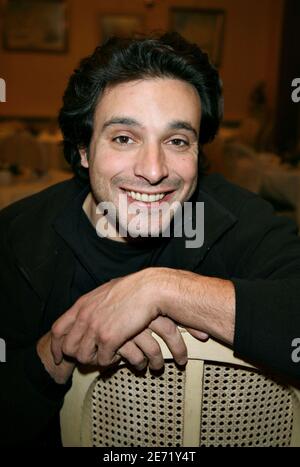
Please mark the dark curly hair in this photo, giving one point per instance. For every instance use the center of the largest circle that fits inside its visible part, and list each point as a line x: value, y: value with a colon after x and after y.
x: 121, y: 60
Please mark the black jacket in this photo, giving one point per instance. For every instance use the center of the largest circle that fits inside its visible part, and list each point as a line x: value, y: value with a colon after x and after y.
x: 244, y: 242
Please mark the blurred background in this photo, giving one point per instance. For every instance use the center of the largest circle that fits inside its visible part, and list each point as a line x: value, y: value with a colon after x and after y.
x: 252, y: 42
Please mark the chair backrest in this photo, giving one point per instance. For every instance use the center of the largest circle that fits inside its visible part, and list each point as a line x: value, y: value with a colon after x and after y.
x: 217, y: 400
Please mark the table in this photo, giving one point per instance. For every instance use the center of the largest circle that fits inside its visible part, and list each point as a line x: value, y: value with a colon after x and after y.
x: 52, y: 150
x: 13, y: 189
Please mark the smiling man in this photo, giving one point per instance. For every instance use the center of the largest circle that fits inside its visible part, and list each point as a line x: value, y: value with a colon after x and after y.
x: 147, y: 151
x: 87, y: 273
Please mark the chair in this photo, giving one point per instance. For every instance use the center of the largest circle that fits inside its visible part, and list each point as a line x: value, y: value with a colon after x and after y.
x: 217, y: 400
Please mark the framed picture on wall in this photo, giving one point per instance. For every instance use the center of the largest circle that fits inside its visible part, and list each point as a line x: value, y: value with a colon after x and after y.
x: 204, y: 27
x: 120, y: 25
x: 35, y: 26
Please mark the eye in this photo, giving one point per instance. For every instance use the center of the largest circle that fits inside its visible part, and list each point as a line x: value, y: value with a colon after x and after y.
x: 123, y: 140
x: 178, y: 142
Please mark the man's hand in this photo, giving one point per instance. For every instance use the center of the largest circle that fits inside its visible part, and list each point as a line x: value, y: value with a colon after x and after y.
x: 103, y: 320
x: 115, y: 321
x: 60, y: 373
x: 144, y: 348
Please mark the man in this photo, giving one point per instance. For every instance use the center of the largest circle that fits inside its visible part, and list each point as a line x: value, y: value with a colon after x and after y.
x: 135, y: 117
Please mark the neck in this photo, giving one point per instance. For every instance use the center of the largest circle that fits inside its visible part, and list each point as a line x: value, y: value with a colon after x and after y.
x: 90, y: 208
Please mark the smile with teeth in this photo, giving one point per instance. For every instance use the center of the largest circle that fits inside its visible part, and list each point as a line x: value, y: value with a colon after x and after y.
x: 145, y: 197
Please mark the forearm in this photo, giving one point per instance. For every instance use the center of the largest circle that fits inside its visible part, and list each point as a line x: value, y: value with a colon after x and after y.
x: 203, y: 303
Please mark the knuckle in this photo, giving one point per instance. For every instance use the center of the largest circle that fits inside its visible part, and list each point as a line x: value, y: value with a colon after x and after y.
x: 103, y: 336
x: 166, y: 326
x: 137, y: 360
x: 81, y: 301
x: 170, y: 328
x: 96, y: 329
x: 56, y: 330
x: 155, y: 351
x: 68, y: 349
x: 103, y: 362
x: 82, y: 317
x: 106, y: 336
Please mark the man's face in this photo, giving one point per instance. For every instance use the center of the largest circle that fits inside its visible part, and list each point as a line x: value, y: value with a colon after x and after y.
x: 145, y: 148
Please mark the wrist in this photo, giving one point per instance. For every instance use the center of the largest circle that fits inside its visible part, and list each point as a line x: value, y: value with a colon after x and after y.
x: 203, y: 303
x: 165, y: 289
x: 206, y: 304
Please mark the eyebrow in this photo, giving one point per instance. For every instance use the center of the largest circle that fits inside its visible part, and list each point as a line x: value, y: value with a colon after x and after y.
x: 174, y: 125
x: 121, y: 121
x: 182, y: 125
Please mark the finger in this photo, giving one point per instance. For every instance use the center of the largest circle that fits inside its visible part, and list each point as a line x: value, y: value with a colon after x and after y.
x: 150, y: 348
x: 133, y: 355
x: 87, y: 353
x: 87, y: 349
x: 170, y: 333
x: 200, y: 335
x: 93, y: 361
x: 73, y: 340
x: 59, y: 330
x: 64, y: 323
x: 56, y: 349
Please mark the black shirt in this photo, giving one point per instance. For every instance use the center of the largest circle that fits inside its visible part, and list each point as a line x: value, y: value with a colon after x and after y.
x: 100, y: 259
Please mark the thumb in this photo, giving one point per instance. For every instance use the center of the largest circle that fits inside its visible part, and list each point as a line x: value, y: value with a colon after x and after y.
x: 200, y: 335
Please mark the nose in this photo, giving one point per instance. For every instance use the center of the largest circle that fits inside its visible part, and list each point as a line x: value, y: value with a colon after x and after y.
x: 151, y: 163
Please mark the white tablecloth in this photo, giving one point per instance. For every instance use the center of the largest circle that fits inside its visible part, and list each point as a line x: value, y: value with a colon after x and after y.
x: 16, y: 189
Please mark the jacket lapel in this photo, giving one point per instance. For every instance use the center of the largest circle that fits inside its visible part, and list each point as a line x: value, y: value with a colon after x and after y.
x: 217, y: 220
x: 36, y: 247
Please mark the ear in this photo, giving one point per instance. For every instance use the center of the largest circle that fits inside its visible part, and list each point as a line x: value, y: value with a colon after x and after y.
x: 84, y: 157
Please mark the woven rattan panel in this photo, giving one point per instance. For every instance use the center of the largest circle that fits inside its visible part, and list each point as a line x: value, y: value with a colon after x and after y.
x: 243, y: 408
x: 138, y: 410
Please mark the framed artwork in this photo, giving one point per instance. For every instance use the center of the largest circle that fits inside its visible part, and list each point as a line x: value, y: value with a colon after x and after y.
x: 120, y: 25
x: 204, y: 27
x: 35, y: 26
